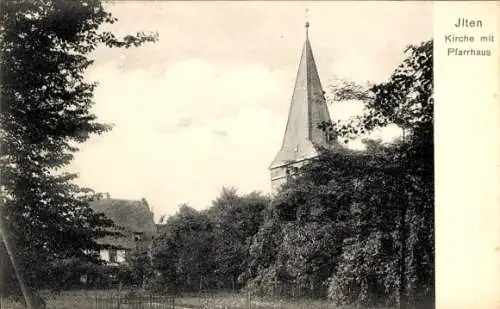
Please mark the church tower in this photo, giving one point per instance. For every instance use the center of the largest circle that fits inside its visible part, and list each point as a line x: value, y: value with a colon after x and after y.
x: 308, y: 109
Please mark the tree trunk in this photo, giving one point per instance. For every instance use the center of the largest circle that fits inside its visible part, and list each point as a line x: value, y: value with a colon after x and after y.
x: 3, y: 270
x: 403, y: 298
x: 32, y: 302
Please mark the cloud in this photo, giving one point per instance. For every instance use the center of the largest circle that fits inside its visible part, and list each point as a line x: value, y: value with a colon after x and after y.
x: 182, y: 123
x: 220, y: 133
x: 193, y: 91
x: 169, y: 122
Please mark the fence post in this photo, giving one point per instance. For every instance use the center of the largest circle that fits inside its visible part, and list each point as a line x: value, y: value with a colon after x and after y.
x: 249, y: 299
x: 119, y: 292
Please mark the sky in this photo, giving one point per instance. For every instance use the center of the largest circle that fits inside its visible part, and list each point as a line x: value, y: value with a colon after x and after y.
x: 206, y: 106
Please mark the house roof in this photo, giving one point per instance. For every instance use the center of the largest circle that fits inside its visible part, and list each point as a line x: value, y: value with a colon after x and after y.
x: 133, y: 216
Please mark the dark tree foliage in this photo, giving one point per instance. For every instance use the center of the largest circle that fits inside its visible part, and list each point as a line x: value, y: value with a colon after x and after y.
x: 45, y: 107
x: 315, y: 214
x: 236, y: 219
x: 183, y: 251
x: 407, y: 101
x: 199, y: 250
x: 141, y: 268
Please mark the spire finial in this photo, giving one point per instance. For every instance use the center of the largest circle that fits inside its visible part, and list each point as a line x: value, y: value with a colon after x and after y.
x: 307, y: 23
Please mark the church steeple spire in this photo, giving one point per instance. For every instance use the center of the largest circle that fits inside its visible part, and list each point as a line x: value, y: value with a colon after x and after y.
x: 308, y: 109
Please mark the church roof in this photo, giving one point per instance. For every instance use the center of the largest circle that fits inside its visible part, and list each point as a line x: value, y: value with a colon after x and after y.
x: 307, y: 110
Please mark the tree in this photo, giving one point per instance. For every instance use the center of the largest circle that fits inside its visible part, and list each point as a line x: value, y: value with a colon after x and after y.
x: 406, y: 100
x: 45, y: 112
x: 210, y: 248
x: 366, y: 272
x: 235, y: 219
x: 141, y: 268
x: 339, y: 198
x: 183, y: 254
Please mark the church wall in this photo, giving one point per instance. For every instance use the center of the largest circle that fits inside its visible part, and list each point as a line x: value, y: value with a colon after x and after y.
x: 278, y: 172
x: 276, y: 184
x: 280, y: 175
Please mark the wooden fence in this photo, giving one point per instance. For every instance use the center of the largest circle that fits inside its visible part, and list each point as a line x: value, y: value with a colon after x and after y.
x: 135, y: 302
x: 290, y: 290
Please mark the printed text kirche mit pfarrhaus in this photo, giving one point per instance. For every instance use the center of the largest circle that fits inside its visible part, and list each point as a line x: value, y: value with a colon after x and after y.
x: 470, y: 38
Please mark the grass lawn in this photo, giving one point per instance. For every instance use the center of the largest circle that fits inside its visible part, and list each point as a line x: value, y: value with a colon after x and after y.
x: 242, y: 301
x: 86, y: 299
